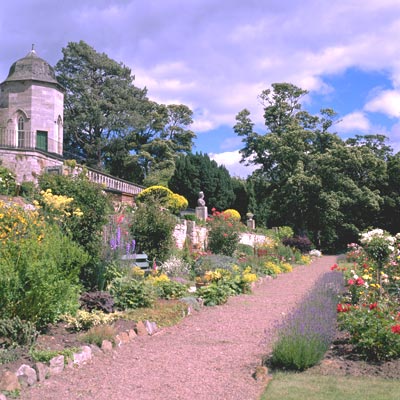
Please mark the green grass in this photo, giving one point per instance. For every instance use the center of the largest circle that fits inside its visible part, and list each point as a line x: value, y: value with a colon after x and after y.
x: 287, y: 386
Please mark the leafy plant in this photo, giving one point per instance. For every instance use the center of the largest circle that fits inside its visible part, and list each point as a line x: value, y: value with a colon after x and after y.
x: 131, y: 293
x: 301, y: 243
x: 223, y: 235
x: 84, y: 320
x: 152, y: 228
x: 40, y: 355
x: 212, y: 262
x: 101, y: 301
x: 306, y: 333
x: 15, y: 332
x: 7, y: 182
x: 370, y: 327
x: 39, y: 268
x: 215, y: 293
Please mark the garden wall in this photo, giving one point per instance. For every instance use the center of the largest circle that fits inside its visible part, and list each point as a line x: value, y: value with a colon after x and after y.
x: 197, y: 236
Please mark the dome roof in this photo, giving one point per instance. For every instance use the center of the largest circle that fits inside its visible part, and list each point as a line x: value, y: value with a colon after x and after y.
x: 32, y: 67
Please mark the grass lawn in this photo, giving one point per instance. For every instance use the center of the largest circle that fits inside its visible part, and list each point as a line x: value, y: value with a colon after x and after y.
x: 291, y: 386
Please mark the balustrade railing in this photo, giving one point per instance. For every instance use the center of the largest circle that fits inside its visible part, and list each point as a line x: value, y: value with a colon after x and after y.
x: 28, y: 140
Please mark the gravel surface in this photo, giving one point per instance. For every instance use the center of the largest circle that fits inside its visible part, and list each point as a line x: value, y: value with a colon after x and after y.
x: 211, y: 355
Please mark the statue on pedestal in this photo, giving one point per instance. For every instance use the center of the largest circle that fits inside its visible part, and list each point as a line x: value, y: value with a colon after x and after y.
x: 200, y: 201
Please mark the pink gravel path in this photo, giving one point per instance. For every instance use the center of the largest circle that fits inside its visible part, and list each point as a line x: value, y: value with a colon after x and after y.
x: 211, y: 355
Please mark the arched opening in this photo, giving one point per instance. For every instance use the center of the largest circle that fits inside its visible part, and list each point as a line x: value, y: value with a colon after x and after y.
x: 21, y: 132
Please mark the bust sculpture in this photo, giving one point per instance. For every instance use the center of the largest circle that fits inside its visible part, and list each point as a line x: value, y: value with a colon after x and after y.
x: 200, y: 201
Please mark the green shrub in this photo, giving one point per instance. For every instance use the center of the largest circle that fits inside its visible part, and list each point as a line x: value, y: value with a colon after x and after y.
x: 152, y: 228
x: 245, y: 249
x: 131, y: 293
x: 297, y: 352
x: 171, y: 290
x: 212, y: 262
x: 87, y: 229
x: 223, y: 235
x: 14, y: 333
x: 7, y: 182
x: 370, y: 328
x: 45, y: 355
x: 39, y: 268
x: 215, y: 293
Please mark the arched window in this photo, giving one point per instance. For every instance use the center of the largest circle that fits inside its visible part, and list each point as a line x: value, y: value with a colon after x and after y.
x: 21, y: 132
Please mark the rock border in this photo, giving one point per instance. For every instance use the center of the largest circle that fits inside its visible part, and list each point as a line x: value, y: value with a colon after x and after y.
x: 28, y: 375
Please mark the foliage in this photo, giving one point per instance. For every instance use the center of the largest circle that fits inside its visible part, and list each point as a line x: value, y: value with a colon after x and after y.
x: 164, y: 196
x: 211, y: 262
x: 197, y: 172
x: 100, y: 101
x: 131, y: 293
x: 86, y: 230
x: 45, y: 355
x: 152, y: 228
x: 311, y: 179
x: 370, y: 327
x: 39, y: 268
x: 175, y: 267
x: 369, y: 309
x: 301, y: 243
x: 232, y: 214
x: 223, y: 235
x: 84, y: 320
x: 96, y: 335
x: 101, y: 301
x: 215, y: 294
x: 7, y: 182
x: 306, y: 333
x: 14, y: 332
x: 167, y: 288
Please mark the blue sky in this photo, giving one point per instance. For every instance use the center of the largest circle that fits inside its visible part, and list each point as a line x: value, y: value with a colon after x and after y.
x: 216, y: 56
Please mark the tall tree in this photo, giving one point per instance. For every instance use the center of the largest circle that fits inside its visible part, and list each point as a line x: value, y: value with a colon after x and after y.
x: 309, y: 178
x: 197, y: 172
x: 100, y: 101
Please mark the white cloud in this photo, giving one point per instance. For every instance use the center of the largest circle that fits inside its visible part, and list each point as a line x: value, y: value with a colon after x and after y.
x: 231, y: 161
x: 356, y: 121
x: 386, y: 102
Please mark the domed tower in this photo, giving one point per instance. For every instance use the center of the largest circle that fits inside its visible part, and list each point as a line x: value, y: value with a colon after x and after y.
x: 31, y: 116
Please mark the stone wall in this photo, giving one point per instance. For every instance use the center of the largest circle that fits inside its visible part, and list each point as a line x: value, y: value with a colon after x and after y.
x: 27, y: 165
x: 197, y: 236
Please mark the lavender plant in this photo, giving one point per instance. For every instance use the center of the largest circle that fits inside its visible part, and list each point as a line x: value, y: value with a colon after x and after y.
x: 305, y: 335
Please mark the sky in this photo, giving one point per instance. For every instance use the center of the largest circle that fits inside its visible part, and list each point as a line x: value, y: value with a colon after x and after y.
x: 217, y: 56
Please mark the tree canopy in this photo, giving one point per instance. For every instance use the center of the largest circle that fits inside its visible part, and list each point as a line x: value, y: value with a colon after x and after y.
x: 197, y: 172
x: 111, y: 124
x: 309, y: 178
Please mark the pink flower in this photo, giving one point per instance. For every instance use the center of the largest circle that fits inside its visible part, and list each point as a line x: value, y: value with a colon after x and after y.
x: 351, y: 282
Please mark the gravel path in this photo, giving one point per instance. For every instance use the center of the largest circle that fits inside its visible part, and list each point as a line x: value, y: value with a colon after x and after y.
x: 211, y: 355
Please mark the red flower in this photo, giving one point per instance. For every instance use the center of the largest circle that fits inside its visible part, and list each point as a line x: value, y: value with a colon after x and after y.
x: 343, y: 307
x: 396, y: 329
x: 360, y: 281
x: 334, y: 266
x: 373, y: 305
x: 365, y: 266
x: 351, y: 282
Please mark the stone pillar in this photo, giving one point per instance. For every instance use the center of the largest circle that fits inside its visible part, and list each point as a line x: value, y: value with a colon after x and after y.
x: 251, y: 224
x: 201, y: 213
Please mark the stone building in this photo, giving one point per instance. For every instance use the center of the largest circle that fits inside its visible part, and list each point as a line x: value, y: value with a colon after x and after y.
x: 31, y: 118
x: 31, y: 127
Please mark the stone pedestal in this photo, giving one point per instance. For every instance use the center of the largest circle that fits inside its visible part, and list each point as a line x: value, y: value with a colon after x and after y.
x: 201, y: 213
x: 251, y: 224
